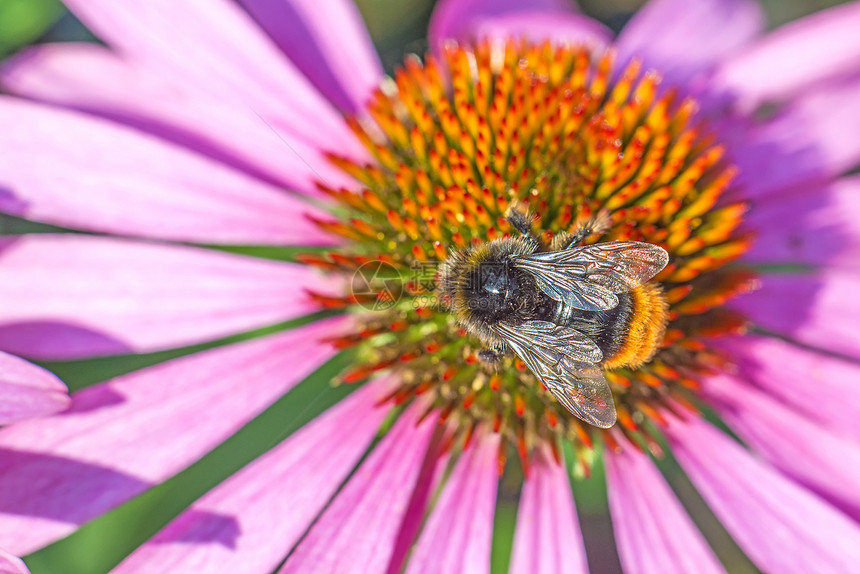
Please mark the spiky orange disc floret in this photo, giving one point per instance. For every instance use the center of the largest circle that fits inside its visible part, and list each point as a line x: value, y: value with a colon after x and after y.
x: 456, y: 142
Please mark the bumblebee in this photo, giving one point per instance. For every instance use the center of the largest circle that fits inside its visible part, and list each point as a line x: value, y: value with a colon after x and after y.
x: 568, y: 310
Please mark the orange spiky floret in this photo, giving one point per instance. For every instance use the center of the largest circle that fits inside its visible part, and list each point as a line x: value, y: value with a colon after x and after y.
x: 456, y: 143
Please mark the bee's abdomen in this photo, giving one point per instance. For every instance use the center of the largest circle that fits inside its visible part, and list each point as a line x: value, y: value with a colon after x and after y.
x: 644, y: 329
x: 628, y: 334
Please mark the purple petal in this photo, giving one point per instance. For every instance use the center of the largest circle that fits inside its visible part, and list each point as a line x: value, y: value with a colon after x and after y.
x: 819, y: 309
x: 820, y: 458
x: 213, y: 44
x: 798, y: 56
x: 548, y: 539
x: 357, y: 532
x: 680, y: 38
x: 822, y: 387
x: 327, y: 42
x: 67, y: 169
x: 459, y: 532
x: 72, y: 296
x: 28, y: 391
x: 812, y: 140
x: 814, y: 226
x: 464, y: 20
x: 95, y: 80
x: 250, y: 522
x: 653, y: 531
x: 122, y: 437
x: 11, y: 564
x: 781, y: 526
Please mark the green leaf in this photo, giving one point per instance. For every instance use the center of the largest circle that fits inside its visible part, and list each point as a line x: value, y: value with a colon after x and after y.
x: 23, y: 21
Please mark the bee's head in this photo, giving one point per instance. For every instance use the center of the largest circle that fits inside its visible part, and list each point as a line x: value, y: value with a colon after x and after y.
x: 490, y: 290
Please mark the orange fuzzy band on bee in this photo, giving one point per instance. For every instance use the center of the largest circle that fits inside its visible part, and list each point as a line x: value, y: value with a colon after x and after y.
x: 646, y: 330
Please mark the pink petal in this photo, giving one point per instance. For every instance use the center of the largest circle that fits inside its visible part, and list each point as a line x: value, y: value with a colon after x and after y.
x: 72, y: 296
x: 75, y: 75
x: 822, y: 387
x: 652, y: 529
x: 679, y: 38
x: 815, y: 226
x: 464, y: 20
x: 820, y: 458
x: 780, y: 525
x: 216, y: 49
x: 67, y: 169
x: 327, y: 42
x: 11, y: 564
x: 798, y: 56
x: 122, y: 437
x: 819, y: 309
x: 28, y: 391
x: 357, y: 532
x: 811, y: 140
x: 548, y: 539
x: 250, y: 522
x: 459, y: 532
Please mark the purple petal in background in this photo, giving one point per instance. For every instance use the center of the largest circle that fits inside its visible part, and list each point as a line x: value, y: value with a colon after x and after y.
x: 56, y: 303
x: 798, y: 56
x: 653, y: 531
x: 818, y: 457
x: 28, y: 391
x: 328, y: 42
x: 127, y: 183
x: 819, y: 309
x: 11, y: 564
x: 547, y: 539
x: 542, y: 19
x: 780, y: 525
x: 459, y: 532
x: 121, y: 437
x: 680, y: 38
x: 822, y: 387
x: 250, y: 522
x: 212, y: 44
x: 95, y: 80
x: 816, y: 225
x: 357, y: 532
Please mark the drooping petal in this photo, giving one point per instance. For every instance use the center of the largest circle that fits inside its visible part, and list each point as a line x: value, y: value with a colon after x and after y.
x: 653, y: 531
x: 56, y: 302
x: 800, y: 55
x: 680, y: 38
x: 121, y: 437
x: 459, y: 532
x: 465, y: 20
x: 780, y: 525
x: 821, y: 458
x: 212, y: 44
x: 327, y: 42
x: 250, y: 522
x: 95, y: 80
x: 64, y: 168
x: 814, y: 226
x: 11, y: 564
x: 819, y: 309
x: 547, y: 538
x: 28, y: 391
x: 358, y: 530
x: 822, y: 387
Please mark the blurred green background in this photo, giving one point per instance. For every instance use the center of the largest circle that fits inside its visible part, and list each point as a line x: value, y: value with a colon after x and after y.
x: 397, y: 27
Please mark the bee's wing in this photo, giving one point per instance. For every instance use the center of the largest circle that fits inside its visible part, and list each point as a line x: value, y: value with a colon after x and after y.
x: 589, y: 277
x: 565, y: 360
